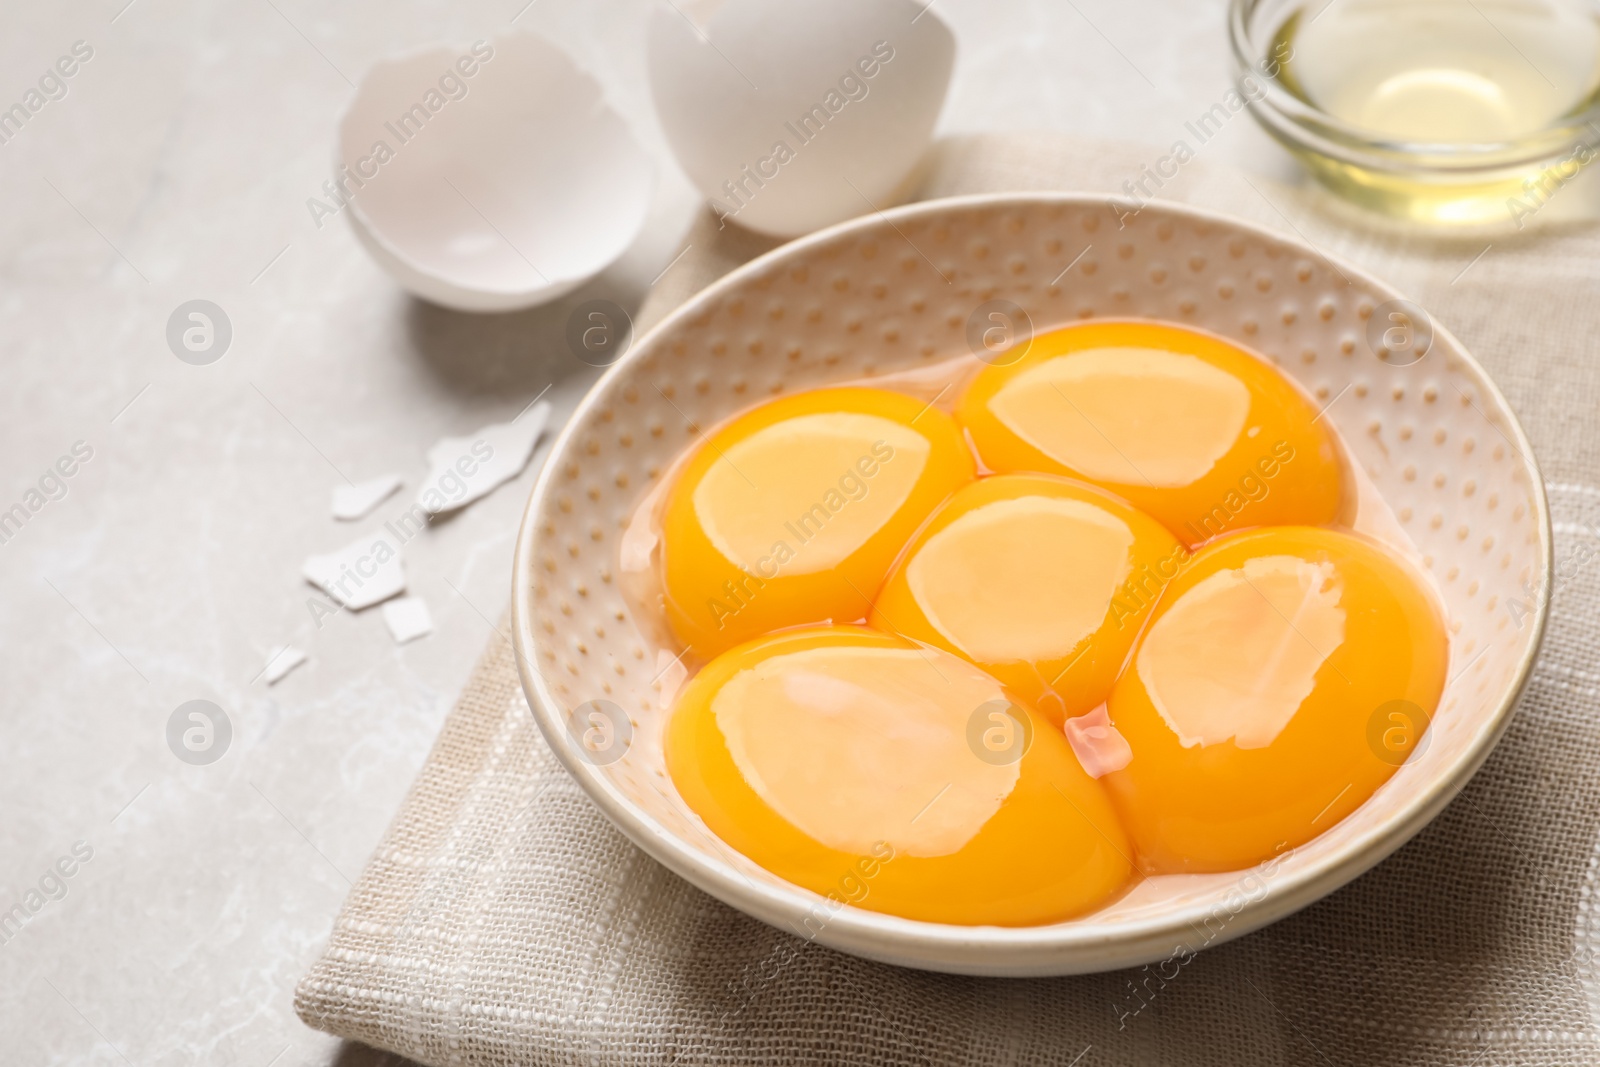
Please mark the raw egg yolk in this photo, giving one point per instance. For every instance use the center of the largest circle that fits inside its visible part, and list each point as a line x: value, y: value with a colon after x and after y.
x: 898, y: 778
x: 1257, y: 699
x: 1041, y: 581
x: 1192, y: 430
x: 794, y: 511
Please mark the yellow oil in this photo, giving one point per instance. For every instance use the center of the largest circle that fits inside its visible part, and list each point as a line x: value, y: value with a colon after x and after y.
x: 1442, y: 72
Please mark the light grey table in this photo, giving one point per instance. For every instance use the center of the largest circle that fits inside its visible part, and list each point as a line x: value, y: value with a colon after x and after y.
x: 177, y: 167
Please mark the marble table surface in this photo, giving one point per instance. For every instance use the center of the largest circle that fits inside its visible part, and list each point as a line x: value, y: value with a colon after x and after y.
x: 178, y: 904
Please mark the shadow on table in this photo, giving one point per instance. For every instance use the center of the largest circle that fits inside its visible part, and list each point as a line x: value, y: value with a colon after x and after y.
x: 512, y: 353
x: 352, y: 1054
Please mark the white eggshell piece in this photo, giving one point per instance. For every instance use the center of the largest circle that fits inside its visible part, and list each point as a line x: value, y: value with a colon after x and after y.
x: 462, y: 469
x: 365, y: 572
x: 351, y: 502
x: 282, y: 663
x: 407, y: 619
x: 790, y: 117
x: 491, y: 190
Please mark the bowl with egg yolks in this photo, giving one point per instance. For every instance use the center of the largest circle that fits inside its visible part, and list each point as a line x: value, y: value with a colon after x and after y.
x: 1433, y: 443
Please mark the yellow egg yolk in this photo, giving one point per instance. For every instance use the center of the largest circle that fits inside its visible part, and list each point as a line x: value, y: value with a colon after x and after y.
x: 1189, y: 428
x: 1041, y: 581
x: 899, y: 778
x: 793, y: 512
x: 1247, y: 710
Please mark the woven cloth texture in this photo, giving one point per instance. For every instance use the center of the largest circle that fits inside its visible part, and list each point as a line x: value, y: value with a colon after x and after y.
x: 504, y: 921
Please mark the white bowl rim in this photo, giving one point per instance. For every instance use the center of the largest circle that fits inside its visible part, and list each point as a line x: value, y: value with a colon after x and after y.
x: 1063, y: 948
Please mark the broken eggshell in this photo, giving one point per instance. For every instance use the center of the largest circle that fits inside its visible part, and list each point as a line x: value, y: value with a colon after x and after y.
x: 279, y: 666
x: 790, y: 117
x: 356, y: 500
x: 464, y: 469
x: 407, y: 618
x: 490, y: 177
x: 367, y: 571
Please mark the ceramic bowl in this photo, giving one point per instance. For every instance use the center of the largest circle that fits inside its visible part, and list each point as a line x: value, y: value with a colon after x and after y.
x: 491, y: 176
x: 1435, y: 438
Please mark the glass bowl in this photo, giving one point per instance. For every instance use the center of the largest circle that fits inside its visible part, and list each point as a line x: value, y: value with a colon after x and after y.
x: 1526, y: 146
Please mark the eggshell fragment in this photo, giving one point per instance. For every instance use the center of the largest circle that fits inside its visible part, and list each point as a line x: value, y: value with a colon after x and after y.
x: 407, y: 618
x: 365, y: 572
x: 463, y: 469
x: 351, y: 502
x: 790, y: 117
x: 491, y: 176
x: 281, y: 664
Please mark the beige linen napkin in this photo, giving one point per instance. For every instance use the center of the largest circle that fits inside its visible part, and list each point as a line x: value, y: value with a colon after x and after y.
x: 504, y: 921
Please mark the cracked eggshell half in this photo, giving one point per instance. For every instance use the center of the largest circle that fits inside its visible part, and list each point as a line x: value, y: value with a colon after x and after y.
x: 491, y: 176
x: 791, y: 117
